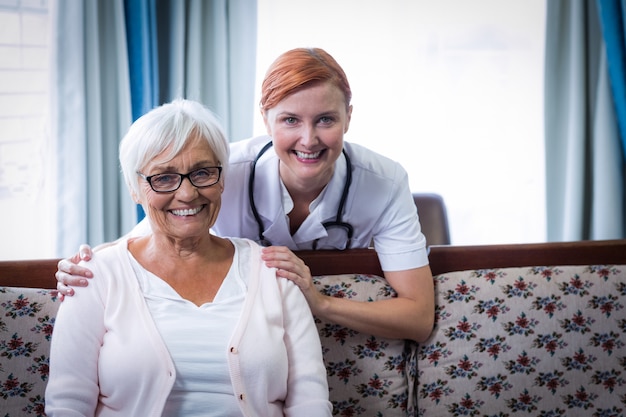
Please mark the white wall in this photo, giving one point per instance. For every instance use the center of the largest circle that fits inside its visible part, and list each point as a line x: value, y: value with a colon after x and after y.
x: 452, y: 89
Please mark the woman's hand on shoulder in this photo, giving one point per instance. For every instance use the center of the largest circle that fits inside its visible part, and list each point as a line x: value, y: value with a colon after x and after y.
x: 69, y: 274
x: 289, y: 266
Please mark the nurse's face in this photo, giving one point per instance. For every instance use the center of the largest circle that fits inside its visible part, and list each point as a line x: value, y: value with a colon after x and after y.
x: 307, y: 129
x: 189, y: 211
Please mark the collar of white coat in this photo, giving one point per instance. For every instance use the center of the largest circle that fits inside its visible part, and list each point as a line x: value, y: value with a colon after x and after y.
x: 269, y: 196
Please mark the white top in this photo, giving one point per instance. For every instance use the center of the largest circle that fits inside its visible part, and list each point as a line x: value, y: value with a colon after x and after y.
x: 202, y: 386
x: 379, y: 206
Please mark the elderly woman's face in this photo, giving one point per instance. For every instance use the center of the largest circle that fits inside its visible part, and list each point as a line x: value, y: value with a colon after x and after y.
x: 189, y: 211
x: 307, y: 129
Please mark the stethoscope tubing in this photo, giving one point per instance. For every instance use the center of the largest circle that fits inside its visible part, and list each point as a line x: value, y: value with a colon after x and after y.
x: 338, y: 218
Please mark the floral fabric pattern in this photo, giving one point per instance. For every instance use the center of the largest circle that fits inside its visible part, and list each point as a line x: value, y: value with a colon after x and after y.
x: 542, y: 341
x: 26, y: 322
x: 367, y: 375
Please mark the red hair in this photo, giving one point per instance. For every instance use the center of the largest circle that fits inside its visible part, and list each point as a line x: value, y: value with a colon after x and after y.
x: 300, y: 68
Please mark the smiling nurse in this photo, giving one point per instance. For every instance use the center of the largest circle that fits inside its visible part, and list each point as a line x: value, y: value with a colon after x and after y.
x: 303, y: 187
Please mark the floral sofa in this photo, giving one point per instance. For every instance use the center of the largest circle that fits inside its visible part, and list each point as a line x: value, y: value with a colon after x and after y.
x: 535, y: 330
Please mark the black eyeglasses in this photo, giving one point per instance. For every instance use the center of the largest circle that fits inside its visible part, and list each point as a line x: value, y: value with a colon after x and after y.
x: 168, y: 182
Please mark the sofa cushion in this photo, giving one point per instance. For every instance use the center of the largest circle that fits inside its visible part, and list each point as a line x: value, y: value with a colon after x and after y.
x: 544, y: 341
x: 26, y: 320
x: 367, y: 375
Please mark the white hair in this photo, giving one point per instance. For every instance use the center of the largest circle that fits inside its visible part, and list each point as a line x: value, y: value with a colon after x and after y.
x: 169, y: 127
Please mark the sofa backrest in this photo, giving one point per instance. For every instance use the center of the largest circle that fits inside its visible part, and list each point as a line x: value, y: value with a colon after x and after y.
x: 39, y: 273
x: 536, y: 341
x: 26, y: 323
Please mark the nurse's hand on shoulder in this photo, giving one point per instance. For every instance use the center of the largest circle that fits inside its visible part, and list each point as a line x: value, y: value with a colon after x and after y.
x: 69, y: 274
x: 289, y: 266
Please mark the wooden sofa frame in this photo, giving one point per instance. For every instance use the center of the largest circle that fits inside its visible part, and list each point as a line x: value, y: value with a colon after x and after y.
x: 39, y: 273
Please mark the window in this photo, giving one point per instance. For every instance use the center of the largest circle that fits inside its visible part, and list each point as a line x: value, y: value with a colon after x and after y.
x: 25, y: 165
x: 453, y: 90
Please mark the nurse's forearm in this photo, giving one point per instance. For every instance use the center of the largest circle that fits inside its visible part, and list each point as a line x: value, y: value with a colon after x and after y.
x: 395, y: 318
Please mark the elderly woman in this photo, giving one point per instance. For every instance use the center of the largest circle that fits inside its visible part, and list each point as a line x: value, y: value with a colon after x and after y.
x: 181, y: 322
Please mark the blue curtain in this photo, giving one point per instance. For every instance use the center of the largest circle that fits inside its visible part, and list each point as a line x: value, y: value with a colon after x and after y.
x: 140, y: 19
x: 612, y: 17
x: 90, y: 112
x: 141, y: 37
x: 585, y: 176
x: 112, y: 60
x: 198, y: 49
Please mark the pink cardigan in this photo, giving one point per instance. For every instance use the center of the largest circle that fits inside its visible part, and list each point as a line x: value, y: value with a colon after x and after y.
x: 108, y: 359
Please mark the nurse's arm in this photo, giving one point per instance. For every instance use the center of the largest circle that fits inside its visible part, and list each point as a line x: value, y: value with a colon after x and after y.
x: 409, y: 316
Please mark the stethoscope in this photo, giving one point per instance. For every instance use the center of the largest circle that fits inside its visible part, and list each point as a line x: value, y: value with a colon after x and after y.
x: 338, y: 222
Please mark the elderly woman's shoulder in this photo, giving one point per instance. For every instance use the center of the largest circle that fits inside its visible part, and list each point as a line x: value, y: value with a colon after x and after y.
x: 113, y: 252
